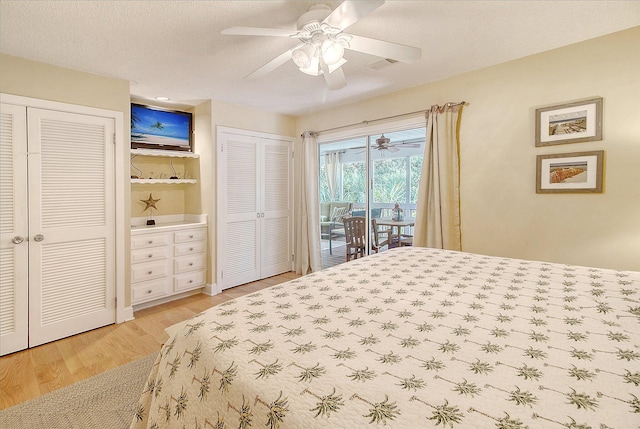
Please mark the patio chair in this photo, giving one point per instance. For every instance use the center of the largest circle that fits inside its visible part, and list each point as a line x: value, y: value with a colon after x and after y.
x: 355, y: 228
x: 405, y: 240
x: 376, y: 234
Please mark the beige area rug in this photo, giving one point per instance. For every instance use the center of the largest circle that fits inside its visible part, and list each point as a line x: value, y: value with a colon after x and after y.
x: 104, y: 401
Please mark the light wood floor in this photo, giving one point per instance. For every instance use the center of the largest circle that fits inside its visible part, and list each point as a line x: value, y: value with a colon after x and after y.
x: 31, y: 373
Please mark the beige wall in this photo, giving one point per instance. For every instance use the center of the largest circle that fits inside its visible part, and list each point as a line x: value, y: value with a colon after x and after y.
x: 501, y: 212
x: 37, y: 80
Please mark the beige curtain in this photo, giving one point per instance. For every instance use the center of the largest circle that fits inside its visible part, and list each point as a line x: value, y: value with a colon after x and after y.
x: 438, y: 208
x: 331, y: 166
x: 308, y: 253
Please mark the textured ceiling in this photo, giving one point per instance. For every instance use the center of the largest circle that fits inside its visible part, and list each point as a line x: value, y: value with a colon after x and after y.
x: 175, y: 49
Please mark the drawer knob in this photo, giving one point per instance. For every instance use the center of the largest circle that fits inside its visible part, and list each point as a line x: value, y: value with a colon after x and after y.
x: 191, y: 236
x: 150, y: 255
x: 190, y: 281
x: 150, y: 272
x: 190, y: 264
x: 150, y: 241
x: 191, y: 249
x: 149, y: 291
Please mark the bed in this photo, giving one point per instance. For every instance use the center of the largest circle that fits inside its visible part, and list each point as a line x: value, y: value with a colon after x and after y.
x: 410, y: 338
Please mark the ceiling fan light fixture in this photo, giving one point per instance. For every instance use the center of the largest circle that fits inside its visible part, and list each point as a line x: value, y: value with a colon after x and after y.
x: 332, y: 52
x: 336, y: 66
x: 313, y: 69
x: 304, y: 55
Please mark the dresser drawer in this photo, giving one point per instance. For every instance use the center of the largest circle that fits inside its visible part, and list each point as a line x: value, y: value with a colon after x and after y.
x: 150, y: 254
x: 190, y: 248
x: 147, y: 291
x: 149, y: 271
x: 189, y: 263
x: 188, y: 281
x: 150, y: 240
x: 191, y: 235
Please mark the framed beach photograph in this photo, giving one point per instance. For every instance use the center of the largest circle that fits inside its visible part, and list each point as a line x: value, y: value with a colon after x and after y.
x: 580, y: 121
x: 578, y: 172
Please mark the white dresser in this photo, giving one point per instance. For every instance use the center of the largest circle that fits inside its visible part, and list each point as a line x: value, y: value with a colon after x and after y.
x: 167, y: 260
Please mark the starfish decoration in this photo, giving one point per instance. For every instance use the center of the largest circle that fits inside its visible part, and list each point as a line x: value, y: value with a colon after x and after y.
x: 150, y: 202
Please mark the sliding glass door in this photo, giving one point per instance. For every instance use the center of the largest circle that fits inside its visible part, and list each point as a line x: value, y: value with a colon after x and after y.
x: 395, y: 171
x: 371, y: 176
x: 343, y: 191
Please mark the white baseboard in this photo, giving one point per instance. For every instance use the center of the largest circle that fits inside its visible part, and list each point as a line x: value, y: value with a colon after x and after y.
x: 211, y: 290
x: 127, y: 314
x: 166, y: 299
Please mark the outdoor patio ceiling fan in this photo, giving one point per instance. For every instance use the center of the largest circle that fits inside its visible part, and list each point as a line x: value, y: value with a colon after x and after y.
x: 322, y: 42
x: 384, y: 143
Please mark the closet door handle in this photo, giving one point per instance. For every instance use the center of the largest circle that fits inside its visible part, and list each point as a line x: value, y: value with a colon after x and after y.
x: 17, y: 239
x: 38, y: 237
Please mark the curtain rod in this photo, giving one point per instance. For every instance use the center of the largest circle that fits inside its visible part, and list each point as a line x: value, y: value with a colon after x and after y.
x: 450, y: 104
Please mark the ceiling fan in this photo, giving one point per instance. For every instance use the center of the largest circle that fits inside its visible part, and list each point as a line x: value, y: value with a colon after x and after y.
x: 322, y: 42
x: 384, y: 143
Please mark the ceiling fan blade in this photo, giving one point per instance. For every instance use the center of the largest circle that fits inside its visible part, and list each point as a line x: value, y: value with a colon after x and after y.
x: 272, y: 65
x: 383, y: 49
x: 256, y: 31
x: 392, y: 149
x: 335, y: 80
x: 403, y: 145
x: 350, y: 11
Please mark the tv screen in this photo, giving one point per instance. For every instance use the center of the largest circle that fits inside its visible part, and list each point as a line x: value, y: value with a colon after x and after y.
x: 157, y: 128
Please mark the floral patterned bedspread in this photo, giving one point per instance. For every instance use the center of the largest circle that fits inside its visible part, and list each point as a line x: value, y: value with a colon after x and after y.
x: 410, y: 338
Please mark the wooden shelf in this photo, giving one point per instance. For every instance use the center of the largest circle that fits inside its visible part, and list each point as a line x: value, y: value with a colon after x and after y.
x: 164, y: 181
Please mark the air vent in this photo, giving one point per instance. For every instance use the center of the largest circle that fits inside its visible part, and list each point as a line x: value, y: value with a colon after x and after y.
x: 380, y: 64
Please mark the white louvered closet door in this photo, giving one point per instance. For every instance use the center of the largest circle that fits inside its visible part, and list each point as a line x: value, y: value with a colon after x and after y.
x: 239, y: 256
x: 254, y: 207
x: 71, y: 224
x: 276, y: 202
x: 14, y: 263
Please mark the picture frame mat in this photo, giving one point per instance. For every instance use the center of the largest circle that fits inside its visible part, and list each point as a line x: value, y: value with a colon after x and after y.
x: 590, y: 109
x: 589, y: 181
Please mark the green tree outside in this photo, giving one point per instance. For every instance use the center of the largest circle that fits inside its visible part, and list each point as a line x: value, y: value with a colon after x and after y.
x: 389, y: 177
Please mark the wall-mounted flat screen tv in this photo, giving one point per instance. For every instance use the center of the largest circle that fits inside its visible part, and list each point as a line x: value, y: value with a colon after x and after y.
x: 158, y: 128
